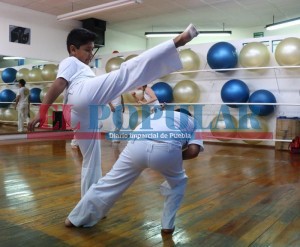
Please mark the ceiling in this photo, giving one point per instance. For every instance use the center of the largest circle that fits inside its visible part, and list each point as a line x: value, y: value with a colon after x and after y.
x: 174, y: 15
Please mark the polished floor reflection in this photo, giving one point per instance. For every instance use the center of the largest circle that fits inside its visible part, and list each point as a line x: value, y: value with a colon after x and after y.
x: 236, y: 196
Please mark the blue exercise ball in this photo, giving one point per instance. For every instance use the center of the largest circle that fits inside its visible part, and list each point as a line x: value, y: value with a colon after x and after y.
x: 7, y: 95
x: 235, y: 91
x: 9, y: 75
x: 222, y: 55
x: 35, y: 95
x: 262, y: 96
x: 163, y: 92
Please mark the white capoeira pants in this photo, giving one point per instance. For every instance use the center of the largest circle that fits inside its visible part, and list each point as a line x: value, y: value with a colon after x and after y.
x: 141, y: 70
x: 22, y: 116
x: 165, y: 158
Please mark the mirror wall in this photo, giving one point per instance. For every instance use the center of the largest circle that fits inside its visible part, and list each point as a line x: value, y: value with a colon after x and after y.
x: 38, y: 74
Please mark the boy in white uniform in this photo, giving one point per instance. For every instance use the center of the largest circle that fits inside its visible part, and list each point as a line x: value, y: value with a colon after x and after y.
x: 86, y: 93
x: 22, y: 104
x: 163, y: 154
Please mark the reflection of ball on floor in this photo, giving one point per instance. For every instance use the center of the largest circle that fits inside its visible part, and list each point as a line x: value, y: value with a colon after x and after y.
x: 186, y: 91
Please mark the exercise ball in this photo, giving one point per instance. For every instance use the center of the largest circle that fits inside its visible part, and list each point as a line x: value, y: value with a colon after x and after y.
x: 262, y: 96
x: 7, y: 95
x: 130, y: 56
x: 235, y: 91
x: 9, y: 75
x: 128, y: 98
x: 49, y: 72
x: 163, y: 92
x: 34, y: 96
x: 10, y: 115
x: 189, y: 59
x: 223, y: 127
x: 137, y: 117
x: 252, y: 127
x: 35, y: 74
x: 113, y: 64
x: 186, y: 91
x: 254, y: 54
x: 222, y: 55
x: 287, y: 52
x: 60, y: 98
x: 23, y: 74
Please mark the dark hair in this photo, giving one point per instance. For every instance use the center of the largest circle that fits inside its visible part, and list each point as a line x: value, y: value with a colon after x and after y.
x: 22, y: 82
x: 185, y: 111
x: 79, y: 37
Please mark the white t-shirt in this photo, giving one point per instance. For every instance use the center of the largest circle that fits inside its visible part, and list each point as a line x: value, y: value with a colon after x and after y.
x: 171, y: 127
x: 24, y: 93
x: 74, y: 71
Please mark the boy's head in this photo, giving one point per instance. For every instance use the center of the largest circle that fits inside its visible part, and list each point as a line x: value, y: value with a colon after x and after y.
x: 80, y: 44
x: 22, y: 82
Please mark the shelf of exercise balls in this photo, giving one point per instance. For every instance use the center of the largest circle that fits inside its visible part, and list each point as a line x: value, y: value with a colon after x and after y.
x: 222, y: 103
x: 28, y: 82
x: 238, y: 138
x: 236, y: 69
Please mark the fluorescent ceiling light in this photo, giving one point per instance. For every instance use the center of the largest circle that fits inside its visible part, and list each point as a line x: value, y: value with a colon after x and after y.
x: 282, y: 24
x: 97, y: 9
x: 173, y: 34
x: 13, y: 58
x: 214, y: 33
x: 161, y: 34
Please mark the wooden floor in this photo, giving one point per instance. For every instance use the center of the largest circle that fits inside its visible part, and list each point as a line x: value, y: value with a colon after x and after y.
x: 236, y: 196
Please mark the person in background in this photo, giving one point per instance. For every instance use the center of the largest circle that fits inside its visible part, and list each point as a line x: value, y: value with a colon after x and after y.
x: 146, y: 96
x: 117, y: 108
x: 22, y: 104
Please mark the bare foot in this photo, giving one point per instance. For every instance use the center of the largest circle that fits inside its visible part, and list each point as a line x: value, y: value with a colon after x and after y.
x: 167, y: 231
x: 186, y: 36
x: 68, y: 223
